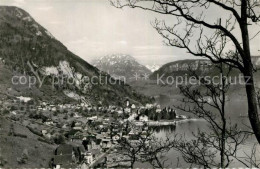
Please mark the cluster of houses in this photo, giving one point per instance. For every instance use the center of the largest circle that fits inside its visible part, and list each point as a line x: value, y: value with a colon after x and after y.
x: 67, y: 156
x: 86, y: 138
x: 87, y: 142
x: 27, y: 104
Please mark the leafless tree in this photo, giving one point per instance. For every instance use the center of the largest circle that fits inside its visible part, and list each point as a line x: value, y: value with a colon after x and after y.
x: 210, y: 38
x: 144, y: 147
x: 156, y: 150
x: 250, y: 159
x: 218, y: 146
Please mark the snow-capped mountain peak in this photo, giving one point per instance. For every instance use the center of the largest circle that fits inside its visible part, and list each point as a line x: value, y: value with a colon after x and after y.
x: 153, y: 67
x: 121, y: 65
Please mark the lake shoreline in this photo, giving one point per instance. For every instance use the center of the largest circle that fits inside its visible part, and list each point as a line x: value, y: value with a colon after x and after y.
x: 165, y: 122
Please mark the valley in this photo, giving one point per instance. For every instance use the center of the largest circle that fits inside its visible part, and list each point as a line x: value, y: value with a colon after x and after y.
x: 59, y: 109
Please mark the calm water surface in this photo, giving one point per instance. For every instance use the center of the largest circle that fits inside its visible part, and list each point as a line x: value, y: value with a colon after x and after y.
x: 236, y: 108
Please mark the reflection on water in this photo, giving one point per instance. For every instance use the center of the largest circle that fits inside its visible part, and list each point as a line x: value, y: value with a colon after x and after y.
x: 187, y: 129
x: 235, y: 109
x: 165, y: 129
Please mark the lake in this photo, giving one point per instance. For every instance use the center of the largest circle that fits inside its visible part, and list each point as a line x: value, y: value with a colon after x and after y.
x: 235, y: 108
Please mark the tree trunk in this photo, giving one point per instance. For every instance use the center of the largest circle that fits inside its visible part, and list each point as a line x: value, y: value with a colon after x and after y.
x: 248, y: 73
x: 223, y: 146
x: 252, y: 107
x: 224, y: 125
x: 133, y: 161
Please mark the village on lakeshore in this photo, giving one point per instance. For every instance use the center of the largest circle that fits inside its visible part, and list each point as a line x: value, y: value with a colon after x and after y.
x: 84, y: 134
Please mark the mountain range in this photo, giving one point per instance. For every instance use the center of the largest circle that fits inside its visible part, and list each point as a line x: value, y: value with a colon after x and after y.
x: 121, y: 65
x: 29, y: 50
x: 200, y: 66
x: 182, y: 67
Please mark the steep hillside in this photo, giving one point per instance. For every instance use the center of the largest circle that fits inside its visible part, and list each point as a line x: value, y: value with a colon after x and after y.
x: 120, y: 65
x: 200, y: 66
x: 156, y: 88
x: 39, y: 153
x: 182, y: 67
x: 27, y: 49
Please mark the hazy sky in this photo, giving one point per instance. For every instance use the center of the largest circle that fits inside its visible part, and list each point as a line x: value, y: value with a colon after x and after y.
x: 93, y: 28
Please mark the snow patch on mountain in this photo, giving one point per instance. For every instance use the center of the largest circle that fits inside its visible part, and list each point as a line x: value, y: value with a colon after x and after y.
x: 153, y: 67
x: 121, y: 65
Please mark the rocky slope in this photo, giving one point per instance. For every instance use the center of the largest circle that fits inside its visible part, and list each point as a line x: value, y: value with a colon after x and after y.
x: 29, y: 51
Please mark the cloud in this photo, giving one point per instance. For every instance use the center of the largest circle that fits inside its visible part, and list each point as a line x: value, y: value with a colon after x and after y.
x: 45, y: 8
x: 19, y: 1
x: 78, y: 41
x: 148, y: 47
x: 55, y: 22
x: 123, y: 42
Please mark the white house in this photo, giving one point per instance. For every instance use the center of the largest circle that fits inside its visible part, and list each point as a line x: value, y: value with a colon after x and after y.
x: 49, y: 122
x: 13, y: 112
x: 127, y: 110
x: 76, y: 115
x: 92, y: 118
x: 89, y: 157
x: 158, y: 110
x: 78, y: 126
x: 133, y: 106
x: 53, y: 109
x: 44, y: 132
x: 132, y: 117
x: 149, y: 106
x: 84, y: 166
x: 116, y: 137
x: 119, y: 111
x: 143, y: 118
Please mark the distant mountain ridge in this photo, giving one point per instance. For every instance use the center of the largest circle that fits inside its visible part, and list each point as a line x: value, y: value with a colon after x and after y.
x: 24, y: 42
x: 121, y: 65
x: 201, y: 66
x: 182, y: 67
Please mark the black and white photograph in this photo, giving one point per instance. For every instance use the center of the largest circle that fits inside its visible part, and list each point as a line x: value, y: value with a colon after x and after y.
x: 131, y: 84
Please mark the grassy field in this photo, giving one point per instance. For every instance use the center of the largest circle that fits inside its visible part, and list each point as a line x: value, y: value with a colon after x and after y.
x: 12, y: 147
